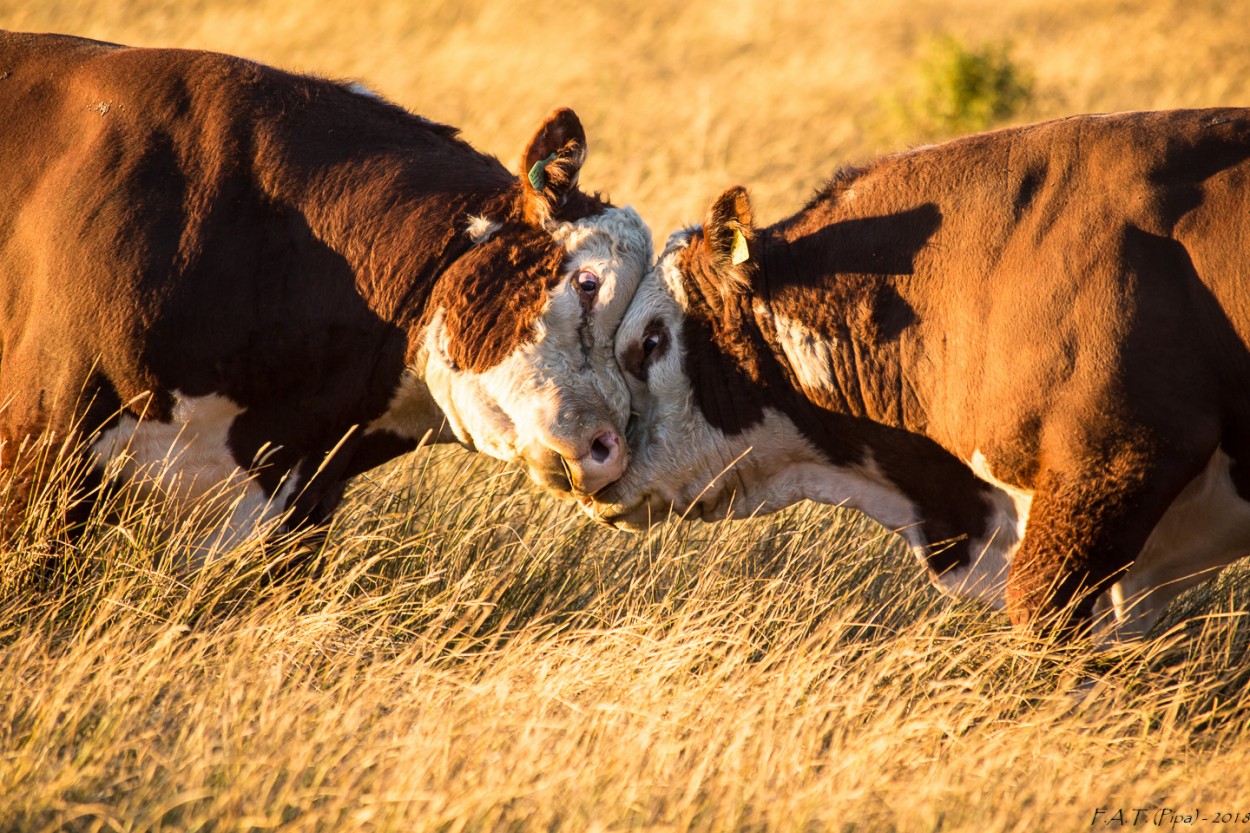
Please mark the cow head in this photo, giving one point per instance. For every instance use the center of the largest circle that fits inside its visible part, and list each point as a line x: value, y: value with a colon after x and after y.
x: 518, y: 344
x: 704, y: 441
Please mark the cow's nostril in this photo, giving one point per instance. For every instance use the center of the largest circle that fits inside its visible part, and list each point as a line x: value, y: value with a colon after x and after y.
x: 603, y: 447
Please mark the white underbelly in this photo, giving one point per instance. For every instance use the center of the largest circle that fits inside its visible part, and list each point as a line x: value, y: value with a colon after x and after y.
x: 1206, y: 528
x: 184, y: 468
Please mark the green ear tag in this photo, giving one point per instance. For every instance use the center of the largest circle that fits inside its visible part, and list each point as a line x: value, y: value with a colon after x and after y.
x: 538, y: 173
x: 739, y: 253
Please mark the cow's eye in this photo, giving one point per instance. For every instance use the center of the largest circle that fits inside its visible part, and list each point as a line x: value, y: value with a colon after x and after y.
x: 641, y: 354
x: 587, y: 282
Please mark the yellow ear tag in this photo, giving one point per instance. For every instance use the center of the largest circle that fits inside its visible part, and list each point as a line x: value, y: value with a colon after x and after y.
x: 739, y: 254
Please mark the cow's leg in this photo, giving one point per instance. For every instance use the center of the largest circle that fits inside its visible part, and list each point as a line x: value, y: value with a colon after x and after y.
x: 42, y: 447
x: 309, y: 519
x: 47, y: 494
x: 44, y: 474
x: 1086, y: 526
x: 311, y: 490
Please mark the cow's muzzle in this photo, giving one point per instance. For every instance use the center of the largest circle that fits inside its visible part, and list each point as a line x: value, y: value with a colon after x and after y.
x: 578, y: 468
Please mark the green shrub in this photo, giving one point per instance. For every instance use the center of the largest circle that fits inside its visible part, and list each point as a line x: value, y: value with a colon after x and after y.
x: 963, y: 90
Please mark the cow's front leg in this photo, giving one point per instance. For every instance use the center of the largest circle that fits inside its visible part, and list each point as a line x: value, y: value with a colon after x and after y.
x: 317, y: 485
x: 1086, y: 526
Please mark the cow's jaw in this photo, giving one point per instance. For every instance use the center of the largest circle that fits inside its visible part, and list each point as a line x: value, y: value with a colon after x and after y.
x: 557, y: 403
x: 691, y: 470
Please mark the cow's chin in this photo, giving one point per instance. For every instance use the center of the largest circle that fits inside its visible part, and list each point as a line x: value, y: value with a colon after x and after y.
x: 638, y: 517
x: 634, y: 513
x: 653, y: 510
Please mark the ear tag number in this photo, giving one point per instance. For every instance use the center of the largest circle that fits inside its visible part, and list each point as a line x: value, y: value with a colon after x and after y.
x: 739, y: 253
x: 538, y: 173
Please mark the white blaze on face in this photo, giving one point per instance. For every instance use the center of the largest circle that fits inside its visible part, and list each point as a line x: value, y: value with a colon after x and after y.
x: 615, y: 248
x: 185, y: 467
x: 561, y: 391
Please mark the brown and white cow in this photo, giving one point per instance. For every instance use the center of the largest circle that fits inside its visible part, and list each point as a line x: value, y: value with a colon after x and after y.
x: 1026, y: 351
x: 225, y: 270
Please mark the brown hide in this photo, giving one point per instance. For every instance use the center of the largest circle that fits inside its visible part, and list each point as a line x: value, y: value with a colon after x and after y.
x: 183, y: 221
x: 1069, y: 299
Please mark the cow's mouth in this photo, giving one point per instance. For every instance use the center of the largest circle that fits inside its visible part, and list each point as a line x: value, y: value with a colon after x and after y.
x: 638, y: 517
x: 560, y: 485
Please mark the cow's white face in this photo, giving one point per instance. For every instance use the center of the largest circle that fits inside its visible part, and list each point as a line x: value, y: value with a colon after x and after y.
x: 557, y: 401
x: 682, y: 463
x: 512, y: 352
x: 711, y: 438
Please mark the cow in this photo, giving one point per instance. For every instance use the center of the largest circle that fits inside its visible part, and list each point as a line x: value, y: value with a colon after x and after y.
x: 1025, y: 351
x: 219, y: 269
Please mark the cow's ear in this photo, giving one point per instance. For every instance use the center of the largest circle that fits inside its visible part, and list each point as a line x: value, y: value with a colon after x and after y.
x: 730, y: 234
x: 551, y: 163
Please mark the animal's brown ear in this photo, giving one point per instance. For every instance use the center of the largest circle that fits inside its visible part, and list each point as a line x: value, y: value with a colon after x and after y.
x: 730, y: 234
x: 551, y: 163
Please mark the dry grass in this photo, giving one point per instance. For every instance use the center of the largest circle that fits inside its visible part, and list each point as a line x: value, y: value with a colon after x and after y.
x: 476, y: 657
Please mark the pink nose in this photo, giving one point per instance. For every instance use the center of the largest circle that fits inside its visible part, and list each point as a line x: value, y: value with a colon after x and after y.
x: 578, y: 468
x: 603, y: 464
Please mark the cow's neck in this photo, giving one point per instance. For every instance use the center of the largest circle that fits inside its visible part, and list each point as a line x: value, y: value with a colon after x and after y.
x: 841, y: 340
x: 841, y: 345
x: 398, y: 226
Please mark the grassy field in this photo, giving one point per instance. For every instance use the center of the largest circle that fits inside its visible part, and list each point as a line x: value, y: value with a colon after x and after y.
x: 476, y: 657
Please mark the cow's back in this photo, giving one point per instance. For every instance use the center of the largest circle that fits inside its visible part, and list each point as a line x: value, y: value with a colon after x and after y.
x: 113, y: 168
x: 1125, y: 247
x: 1061, y: 250
x: 154, y: 230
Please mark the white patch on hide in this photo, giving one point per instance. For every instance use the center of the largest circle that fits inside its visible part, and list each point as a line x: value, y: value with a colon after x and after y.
x: 480, y: 229
x: 412, y: 412
x: 185, y: 466
x: 250, y: 514
x: 809, y: 353
x: 1008, y: 516
x: 1205, y: 529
